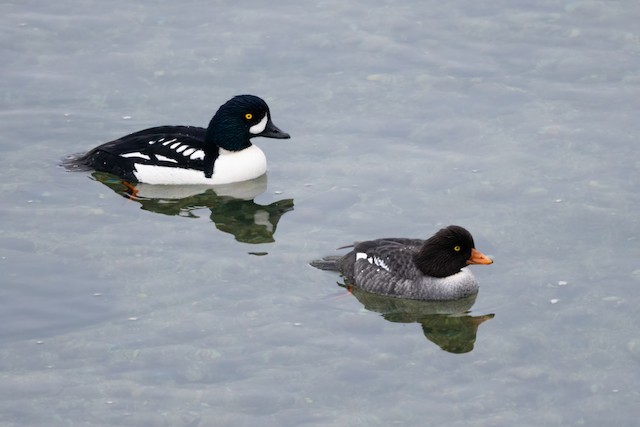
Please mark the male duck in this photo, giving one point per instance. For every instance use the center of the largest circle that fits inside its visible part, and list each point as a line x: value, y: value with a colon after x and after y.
x: 220, y: 154
x: 432, y: 269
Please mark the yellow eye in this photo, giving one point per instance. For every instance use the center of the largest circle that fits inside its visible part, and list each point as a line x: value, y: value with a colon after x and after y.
x: 456, y: 248
x: 248, y: 116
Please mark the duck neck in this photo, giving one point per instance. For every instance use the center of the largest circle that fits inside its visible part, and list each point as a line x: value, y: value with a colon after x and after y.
x: 431, y: 262
x: 225, y: 135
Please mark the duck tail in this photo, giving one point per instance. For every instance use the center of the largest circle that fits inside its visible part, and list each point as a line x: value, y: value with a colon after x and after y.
x: 327, y: 263
x: 76, y: 162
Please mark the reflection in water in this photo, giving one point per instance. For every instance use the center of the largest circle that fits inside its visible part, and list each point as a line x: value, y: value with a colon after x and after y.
x: 232, y: 207
x: 445, y: 323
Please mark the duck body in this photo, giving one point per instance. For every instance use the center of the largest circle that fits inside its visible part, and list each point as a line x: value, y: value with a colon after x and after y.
x: 219, y: 154
x: 433, y: 269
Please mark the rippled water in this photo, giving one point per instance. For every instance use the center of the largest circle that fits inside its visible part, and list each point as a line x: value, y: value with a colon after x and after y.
x: 177, y: 306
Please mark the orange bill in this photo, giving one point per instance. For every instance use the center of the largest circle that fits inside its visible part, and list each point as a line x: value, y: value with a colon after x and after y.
x: 478, y: 257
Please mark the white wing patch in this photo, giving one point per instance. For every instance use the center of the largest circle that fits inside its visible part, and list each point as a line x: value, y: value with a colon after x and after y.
x: 198, y: 154
x: 165, y: 159
x: 135, y: 154
x: 260, y: 126
x: 169, y: 141
x: 372, y: 260
x: 177, y: 146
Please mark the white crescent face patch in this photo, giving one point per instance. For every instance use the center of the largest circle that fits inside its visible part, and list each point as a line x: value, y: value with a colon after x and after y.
x: 260, y: 126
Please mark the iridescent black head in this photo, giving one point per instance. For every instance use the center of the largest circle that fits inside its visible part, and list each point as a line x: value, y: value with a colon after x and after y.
x: 238, y: 120
x: 447, y: 252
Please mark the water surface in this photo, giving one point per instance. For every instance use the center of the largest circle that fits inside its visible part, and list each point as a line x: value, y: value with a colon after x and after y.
x: 517, y: 121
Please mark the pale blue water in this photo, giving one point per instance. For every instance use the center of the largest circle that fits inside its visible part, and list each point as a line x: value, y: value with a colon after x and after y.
x: 517, y: 121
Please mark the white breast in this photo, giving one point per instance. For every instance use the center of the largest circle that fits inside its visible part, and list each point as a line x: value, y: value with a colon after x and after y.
x: 231, y: 166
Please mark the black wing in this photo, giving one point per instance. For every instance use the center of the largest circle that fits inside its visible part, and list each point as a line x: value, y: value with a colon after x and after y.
x: 172, y: 146
x: 392, y: 254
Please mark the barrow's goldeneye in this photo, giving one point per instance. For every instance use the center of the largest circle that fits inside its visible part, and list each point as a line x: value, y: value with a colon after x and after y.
x: 219, y: 154
x: 432, y: 269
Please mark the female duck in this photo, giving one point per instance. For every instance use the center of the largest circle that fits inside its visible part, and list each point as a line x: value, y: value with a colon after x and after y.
x: 220, y: 154
x: 432, y: 269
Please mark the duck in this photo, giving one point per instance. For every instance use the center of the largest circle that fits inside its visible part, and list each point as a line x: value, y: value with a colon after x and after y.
x: 182, y: 155
x: 435, y: 269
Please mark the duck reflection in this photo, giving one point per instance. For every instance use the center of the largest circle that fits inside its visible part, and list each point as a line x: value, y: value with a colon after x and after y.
x: 447, y: 324
x: 231, y: 206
